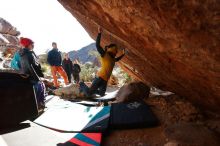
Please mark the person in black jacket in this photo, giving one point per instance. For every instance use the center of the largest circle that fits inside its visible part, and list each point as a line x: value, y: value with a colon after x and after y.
x: 55, y: 61
x: 31, y: 66
x: 67, y: 66
x: 75, y: 71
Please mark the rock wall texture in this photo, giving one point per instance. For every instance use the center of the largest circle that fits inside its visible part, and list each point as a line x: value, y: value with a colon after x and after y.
x: 8, y: 37
x: 171, y: 44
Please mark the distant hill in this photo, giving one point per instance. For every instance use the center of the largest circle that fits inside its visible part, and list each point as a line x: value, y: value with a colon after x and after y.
x: 83, y: 54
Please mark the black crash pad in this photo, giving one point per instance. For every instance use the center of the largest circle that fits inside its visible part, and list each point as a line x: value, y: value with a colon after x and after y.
x: 132, y: 115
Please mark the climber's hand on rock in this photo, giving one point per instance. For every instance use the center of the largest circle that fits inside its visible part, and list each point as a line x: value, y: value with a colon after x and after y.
x: 123, y: 50
x: 100, y: 29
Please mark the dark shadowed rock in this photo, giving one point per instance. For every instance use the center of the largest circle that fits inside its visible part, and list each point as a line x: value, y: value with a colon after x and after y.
x: 132, y: 92
x: 186, y: 134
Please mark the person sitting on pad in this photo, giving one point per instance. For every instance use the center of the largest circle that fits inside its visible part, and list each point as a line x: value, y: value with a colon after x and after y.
x: 107, y: 59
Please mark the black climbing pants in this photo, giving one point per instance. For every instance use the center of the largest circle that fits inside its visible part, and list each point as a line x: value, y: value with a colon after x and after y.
x: 76, y: 78
x: 69, y: 77
x: 98, y: 87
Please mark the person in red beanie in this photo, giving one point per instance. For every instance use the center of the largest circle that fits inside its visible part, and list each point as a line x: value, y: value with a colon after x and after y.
x: 31, y: 66
x: 25, y: 42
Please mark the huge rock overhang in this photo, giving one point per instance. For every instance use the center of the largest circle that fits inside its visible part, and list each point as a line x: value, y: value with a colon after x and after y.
x: 173, y: 45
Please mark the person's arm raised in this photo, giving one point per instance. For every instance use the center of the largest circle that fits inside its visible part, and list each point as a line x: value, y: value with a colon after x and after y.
x: 98, y: 40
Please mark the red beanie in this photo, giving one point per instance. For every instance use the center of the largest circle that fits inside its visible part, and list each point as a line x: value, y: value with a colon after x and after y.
x: 25, y: 42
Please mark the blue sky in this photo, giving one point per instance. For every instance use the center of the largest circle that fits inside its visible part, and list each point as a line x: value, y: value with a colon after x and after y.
x: 45, y: 21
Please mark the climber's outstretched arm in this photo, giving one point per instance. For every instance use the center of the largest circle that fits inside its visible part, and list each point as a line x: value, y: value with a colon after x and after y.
x: 98, y: 40
x: 120, y: 57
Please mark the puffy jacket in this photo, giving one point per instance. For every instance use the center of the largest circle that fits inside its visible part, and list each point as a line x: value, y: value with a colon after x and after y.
x: 30, y: 64
x: 54, y: 57
x: 67, y: 66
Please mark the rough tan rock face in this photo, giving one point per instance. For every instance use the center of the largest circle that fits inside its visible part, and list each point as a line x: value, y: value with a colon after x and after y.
x: 8, y: 33
x: 8, y: 37
x: 173, y: 45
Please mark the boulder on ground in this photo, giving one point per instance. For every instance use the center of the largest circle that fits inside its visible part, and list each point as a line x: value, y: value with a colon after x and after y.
x: 132, y: 92
x: 113, y: 80
x: 69, y: 92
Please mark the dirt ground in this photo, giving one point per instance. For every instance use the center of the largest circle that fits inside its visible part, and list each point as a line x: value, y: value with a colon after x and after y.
x: 135, y: 137
x: 181, y: 123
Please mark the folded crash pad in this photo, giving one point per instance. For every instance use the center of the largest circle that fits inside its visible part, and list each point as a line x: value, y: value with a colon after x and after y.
x: 132, y: 115
x: 84, y: 139
x: 71, y: 117
x: 17, y: 102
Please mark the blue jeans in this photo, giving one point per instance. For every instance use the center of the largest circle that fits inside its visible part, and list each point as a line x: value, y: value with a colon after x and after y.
x: 39, y: 88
